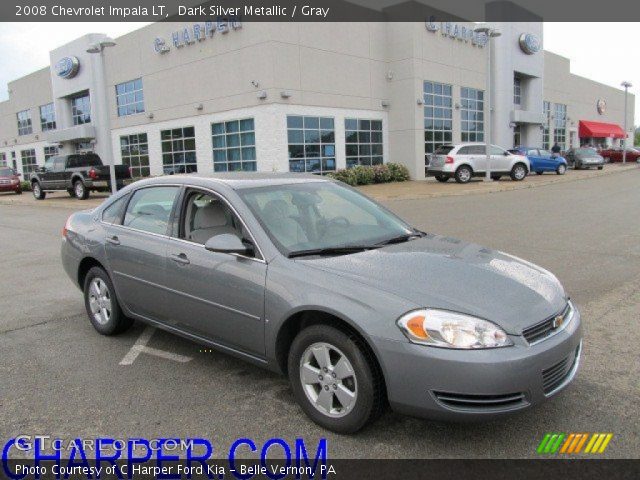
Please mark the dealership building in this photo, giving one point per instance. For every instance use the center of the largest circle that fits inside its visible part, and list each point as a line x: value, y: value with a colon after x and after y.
x: 315, y: 97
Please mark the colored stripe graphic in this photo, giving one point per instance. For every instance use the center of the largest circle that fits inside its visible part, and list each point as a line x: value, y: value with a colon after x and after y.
x: 572, y: 443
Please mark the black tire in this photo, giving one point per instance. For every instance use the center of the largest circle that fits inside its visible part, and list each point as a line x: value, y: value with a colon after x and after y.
x: 463, y: 174
x: 518, y: 172
x: 577, y: 166
x: 19, y: 192
x: 366, y: 380
x: 116, y: 322
x: 80, y: 190
x: 38, y: 193
x: 562, y: 169
x: 442, y: 178
x: 600, y: 167
x: 71, y: 192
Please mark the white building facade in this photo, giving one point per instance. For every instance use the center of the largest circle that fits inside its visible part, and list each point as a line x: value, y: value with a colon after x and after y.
x: 315, y: 97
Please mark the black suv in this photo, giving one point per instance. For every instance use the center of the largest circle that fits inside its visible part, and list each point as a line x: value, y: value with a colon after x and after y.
x: 77, y: 174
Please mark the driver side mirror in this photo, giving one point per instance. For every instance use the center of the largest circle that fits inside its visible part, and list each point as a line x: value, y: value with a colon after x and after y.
x: 227, y: 243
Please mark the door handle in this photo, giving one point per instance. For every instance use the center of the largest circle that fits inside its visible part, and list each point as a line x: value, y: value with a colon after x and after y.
x: 114, y: 240
x: 180, y: 258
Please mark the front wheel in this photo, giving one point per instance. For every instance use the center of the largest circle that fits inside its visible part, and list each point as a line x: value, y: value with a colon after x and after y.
x: 333, y: 379
x: 518, y: 172
x: 463, y: 174
x: 38, y: 193
x: 80, y: 190
x: 101, y: 303
x: 442, y: 178
x: 562, y: 169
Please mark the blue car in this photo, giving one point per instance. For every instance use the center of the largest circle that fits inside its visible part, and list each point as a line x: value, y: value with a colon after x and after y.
x: 542, y: 160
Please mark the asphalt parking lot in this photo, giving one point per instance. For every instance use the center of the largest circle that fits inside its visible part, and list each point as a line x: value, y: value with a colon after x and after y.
x: 59, y: 377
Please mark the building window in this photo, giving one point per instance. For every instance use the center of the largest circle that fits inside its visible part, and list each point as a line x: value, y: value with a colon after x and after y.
x: 179, y: 150
x: 234, y: 146
x: 560, y: 124
x: 24, y: 122
x: 472, y: 114
x: 3, y: 159
x: 517, y: 92
x: 312, y: 145
x: 129, y: 97
x: 50, y: 151
x: 81, y: 110
x: 517, y: 135
x: 363, y: 139
x: 546, y: 133
x: 29, y: 164
x: 438, y: 114
x: 83, y: 147
x: 47, y: 117
x: 135, y: 153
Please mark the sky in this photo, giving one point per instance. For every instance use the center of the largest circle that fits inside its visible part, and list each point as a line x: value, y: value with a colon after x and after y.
x: 599, y: 51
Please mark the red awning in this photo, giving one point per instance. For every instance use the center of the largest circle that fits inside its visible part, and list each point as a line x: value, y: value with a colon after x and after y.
x: 600, y: 130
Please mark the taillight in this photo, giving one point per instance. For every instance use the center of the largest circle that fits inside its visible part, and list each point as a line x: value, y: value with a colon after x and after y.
x: 93, y: 174
x: 449, y: 159
x: 65, y: 229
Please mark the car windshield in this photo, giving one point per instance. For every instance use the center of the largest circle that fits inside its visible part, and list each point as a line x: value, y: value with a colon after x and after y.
x: 322, y: 215
x: 586, y: 151
x: 6, y: 172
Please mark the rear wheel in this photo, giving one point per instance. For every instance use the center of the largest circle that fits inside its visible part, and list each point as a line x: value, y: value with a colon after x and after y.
x: 80, y: 190
x: 562, y: 169
x: 442, y: 178
x: 463, y: 174
x: 518, y: 172
x: 333, y: 379
x: 38, y: 193
x: 101, y: 303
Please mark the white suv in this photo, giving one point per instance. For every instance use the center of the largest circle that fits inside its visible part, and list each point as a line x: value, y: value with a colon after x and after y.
x: 468, y: 160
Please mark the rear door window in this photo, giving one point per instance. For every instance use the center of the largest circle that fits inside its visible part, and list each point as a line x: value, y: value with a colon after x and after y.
x: 443, y: 149
x: 150, y: 208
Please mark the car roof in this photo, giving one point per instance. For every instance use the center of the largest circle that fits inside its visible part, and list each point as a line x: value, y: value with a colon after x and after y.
x: 239, y: 180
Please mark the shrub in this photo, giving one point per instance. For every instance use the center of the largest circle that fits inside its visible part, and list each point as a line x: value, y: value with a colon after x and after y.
x: 381, y: 174
x: 346, y: 176
x: 364, y: 175
x: 399, y: 173
x: 25, y: 185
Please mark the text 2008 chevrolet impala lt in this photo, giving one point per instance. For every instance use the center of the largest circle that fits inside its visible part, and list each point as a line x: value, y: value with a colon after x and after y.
x: 308, y: 277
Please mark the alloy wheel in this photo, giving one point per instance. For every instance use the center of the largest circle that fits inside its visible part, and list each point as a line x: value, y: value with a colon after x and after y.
x: 79, y: 189
x: 100, y: 301
x: 328, y: 379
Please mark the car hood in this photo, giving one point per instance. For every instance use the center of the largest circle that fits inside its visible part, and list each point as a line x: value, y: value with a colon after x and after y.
x: 443, y: 272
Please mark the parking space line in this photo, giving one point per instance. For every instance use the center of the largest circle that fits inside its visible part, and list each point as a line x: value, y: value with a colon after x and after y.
x: 141, y: 346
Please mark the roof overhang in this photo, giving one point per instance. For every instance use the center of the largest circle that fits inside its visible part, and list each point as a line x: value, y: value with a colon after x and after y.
x: 77, y: 133
x: 600, y: 130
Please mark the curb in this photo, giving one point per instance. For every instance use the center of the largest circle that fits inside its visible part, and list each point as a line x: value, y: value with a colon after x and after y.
x: 499, y: 189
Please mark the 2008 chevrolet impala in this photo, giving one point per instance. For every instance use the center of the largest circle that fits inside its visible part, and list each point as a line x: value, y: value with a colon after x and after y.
x: 306, y: 276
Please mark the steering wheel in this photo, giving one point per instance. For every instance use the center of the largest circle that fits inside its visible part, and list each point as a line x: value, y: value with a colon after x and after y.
x: 339, y: 222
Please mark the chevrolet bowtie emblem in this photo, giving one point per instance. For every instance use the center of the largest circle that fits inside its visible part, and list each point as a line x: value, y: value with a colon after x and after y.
x: 557, y: 322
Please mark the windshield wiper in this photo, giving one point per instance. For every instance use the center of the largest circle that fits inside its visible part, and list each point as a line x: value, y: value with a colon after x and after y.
x: 331, y: 250
x: 401, y: 238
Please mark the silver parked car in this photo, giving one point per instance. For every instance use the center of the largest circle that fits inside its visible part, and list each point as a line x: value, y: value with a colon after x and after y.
x: 467, y: 160
x: 306, y: 276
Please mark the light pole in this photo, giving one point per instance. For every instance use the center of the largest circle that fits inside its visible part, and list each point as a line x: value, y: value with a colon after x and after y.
x: 626, y: 86
x: 105, y: 118
x: 490, y: 33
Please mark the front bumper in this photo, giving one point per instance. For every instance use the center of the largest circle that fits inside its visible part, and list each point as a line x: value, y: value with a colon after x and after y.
x: 448, y: 384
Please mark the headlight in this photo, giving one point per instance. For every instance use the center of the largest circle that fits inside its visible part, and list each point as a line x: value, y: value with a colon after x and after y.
x: 442, y: 328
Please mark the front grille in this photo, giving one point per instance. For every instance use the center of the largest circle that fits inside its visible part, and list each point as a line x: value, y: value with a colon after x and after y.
x: 546, y: 328
x: 481, y: 402
x: 553, y: 376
